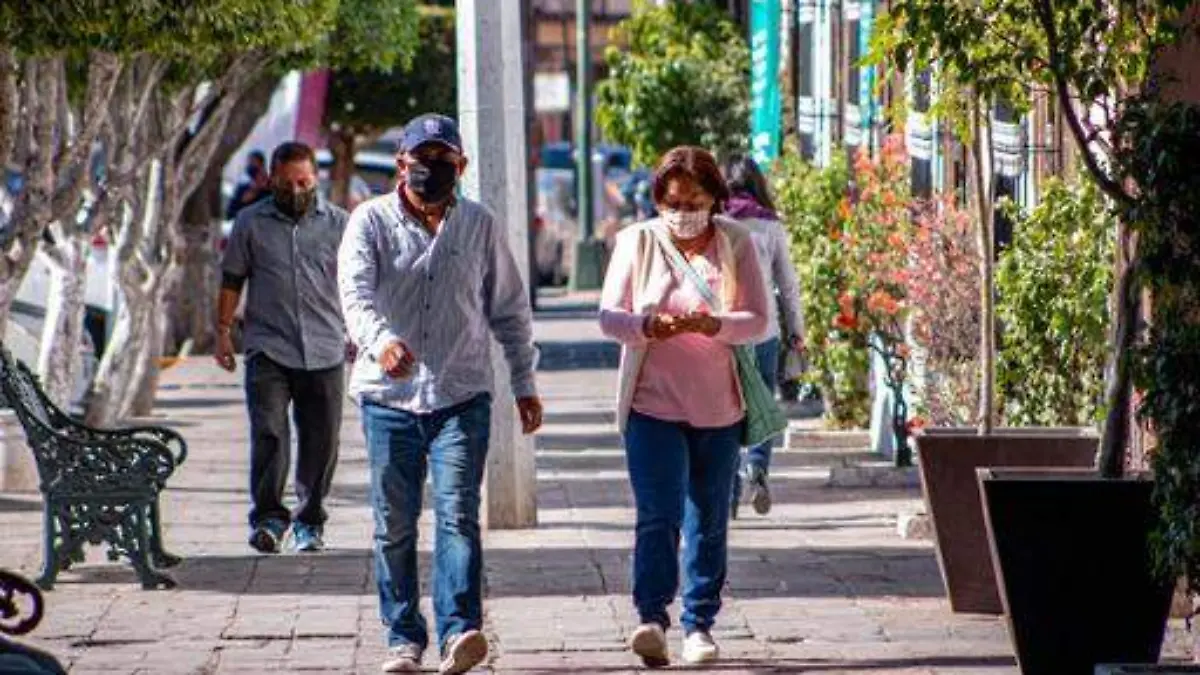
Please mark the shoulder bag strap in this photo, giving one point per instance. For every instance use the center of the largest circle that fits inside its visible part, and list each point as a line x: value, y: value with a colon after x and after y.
x: 685, y: 268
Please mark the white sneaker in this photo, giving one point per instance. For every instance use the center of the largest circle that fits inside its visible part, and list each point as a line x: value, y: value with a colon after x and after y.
x: 698, y: 647
x: 649, y: 641
x: 464, y: 652
x: 403, y: 659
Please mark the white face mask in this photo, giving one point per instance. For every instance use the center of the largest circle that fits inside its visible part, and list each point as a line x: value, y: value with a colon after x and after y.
x: 685, y: 224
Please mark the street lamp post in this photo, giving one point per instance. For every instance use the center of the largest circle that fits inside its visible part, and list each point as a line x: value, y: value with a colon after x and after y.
x: 583, y: 117
x: 588, y: 249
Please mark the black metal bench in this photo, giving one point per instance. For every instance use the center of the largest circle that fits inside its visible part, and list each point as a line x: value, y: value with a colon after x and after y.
x: 18, y: 617
x: 99, y: 486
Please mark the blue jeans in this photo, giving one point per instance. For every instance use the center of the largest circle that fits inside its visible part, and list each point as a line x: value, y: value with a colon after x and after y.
x: 400, y: 446
x: 767, y: 355
x: 682, y: 478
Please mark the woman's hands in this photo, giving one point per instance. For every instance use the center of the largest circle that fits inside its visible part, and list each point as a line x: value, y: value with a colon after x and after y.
x: 664, y: 326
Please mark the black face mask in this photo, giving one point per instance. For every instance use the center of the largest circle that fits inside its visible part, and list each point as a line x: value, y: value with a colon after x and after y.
x: 295, y: 203
x: 432, y: 180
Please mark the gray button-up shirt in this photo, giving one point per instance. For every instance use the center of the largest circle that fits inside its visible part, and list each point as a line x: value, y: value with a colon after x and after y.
x: 292, y: 313
x: 443, y: 296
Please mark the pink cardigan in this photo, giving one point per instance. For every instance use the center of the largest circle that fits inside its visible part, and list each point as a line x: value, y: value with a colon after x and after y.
x: 687, y: 378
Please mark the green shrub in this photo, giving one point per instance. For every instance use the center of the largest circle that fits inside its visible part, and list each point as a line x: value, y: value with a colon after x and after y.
x: 811, y: 201
x: 1053, y: 284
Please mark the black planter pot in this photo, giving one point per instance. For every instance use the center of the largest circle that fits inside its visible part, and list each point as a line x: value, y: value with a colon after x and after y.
x: 1073, y: 563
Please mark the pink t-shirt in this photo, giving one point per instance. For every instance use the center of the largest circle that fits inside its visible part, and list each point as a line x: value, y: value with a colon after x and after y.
x: 688, y: 378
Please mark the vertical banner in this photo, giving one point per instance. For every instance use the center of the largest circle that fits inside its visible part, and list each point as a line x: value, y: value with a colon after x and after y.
x: 766, y: 104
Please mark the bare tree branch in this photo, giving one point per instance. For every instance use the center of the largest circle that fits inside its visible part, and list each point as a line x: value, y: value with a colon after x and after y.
x: 103, y: 72
x: 1045, y: 12
x: 240, y: 72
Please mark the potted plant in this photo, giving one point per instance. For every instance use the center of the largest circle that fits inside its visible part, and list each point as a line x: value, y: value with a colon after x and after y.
x: 948, y: 457
x: 1075, y: 552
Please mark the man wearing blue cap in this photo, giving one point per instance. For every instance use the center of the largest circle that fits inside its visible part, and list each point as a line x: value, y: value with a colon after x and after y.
x: 426, y: 279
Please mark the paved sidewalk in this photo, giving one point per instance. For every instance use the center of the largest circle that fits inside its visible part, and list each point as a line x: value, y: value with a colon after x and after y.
x: 823, y: 585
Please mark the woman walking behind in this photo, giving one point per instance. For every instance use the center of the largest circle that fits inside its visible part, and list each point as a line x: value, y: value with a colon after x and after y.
x: 751, y: 205
x: 680, y: 406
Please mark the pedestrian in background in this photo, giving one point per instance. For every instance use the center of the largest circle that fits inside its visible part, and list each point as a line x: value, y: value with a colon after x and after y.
x: 255, y: 187
x: 427, y: 279
x: 751, y: 205
x: 283, y: 250
x: 681, y: 409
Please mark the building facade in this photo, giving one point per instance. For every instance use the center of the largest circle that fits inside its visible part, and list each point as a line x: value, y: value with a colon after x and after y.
x: 839, y: 104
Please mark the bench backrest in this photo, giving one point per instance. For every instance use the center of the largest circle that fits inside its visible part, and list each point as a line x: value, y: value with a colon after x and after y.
x: 23, y: 394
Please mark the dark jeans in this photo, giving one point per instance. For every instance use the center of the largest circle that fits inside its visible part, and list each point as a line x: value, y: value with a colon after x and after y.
x: 682, y: 478
x: 401, y: 448
x: 316, y: 399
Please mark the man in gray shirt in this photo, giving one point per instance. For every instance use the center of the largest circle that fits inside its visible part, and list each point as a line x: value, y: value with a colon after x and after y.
x: 285, y: 249
x: 427, y: 279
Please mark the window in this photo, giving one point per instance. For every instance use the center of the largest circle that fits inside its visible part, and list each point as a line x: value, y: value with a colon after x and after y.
x: 804, y: 60
x: 808, y: 146
x: 1004, y: 112
x: 922, y: 91
x: 854, y: 51
x: 1002, y: 187
x: 960, y: 173
x: 922, y: 178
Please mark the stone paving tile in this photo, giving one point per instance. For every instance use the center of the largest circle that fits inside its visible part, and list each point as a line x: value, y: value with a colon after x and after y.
x: 822, y: 585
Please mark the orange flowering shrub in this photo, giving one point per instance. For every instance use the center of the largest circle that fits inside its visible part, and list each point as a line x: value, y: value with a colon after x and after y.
x: 874, y: 305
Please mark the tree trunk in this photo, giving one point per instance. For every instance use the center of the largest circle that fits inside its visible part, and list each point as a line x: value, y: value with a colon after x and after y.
x: 1115, y: 440
x: 342, y: 145
x: 143, y: 389
x: 987, y: 324
x: 118, y: 366
x: 203, y: 214
x: 62, y: 331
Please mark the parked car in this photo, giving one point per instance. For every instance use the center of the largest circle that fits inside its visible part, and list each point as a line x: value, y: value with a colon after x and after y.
x: 556, y: 224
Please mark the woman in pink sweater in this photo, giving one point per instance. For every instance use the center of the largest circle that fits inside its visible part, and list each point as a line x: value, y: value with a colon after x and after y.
x: 680, y: 402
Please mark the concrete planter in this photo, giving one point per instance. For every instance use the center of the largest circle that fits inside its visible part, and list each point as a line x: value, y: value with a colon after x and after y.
x: 948, y: 459
x: 18, y: 469
x: 1074, y: 567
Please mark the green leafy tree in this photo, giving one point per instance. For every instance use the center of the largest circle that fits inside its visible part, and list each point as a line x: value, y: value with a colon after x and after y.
x: 682, y: 78
x: 364, y: 103
x: 1092, y: 56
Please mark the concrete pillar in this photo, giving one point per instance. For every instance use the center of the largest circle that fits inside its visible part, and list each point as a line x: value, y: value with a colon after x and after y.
x: 491, y: 114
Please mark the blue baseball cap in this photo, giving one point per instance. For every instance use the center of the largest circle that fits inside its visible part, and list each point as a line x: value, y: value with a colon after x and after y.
x: 430, y: 128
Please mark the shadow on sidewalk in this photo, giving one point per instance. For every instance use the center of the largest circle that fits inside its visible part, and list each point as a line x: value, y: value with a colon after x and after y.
x: 536, y: 571
x: 20, y: 504
x: 758, y: 667
x: 578, y: 355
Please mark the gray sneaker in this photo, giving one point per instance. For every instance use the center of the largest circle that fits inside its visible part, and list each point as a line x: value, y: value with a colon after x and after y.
x: 403, y: 659
x: 464, y: 652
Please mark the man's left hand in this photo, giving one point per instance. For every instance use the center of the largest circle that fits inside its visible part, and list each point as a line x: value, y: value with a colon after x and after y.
x: 530, y: 408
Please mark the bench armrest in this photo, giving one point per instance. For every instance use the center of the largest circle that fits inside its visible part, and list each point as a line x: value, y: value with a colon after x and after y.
x: 167, y: 437
x: 81, y: 465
